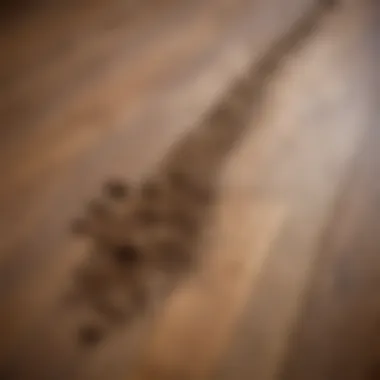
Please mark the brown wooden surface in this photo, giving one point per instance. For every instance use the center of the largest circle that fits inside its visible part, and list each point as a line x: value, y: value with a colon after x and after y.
x: 288, y: 289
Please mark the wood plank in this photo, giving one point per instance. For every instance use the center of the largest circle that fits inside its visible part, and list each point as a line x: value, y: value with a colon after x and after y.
x: 329, y: 100
x: 336, y: 336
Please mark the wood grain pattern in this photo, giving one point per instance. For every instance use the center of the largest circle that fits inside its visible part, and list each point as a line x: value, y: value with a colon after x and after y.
x: 89, y: 91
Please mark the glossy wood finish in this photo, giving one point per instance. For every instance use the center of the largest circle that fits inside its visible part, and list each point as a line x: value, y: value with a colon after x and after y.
x: 89, y: 91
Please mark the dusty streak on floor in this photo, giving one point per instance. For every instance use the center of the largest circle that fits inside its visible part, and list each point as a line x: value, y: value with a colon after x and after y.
x: 79, y: 104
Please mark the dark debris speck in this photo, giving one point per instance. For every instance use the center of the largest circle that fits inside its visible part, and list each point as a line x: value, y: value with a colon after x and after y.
x: 90, y: 335
x: 116, y: 189
x: 127, y: 254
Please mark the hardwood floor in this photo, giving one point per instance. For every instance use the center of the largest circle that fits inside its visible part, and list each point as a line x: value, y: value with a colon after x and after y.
x: 337, y: 335
x: 92, y: 90
x: 337, y: 332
